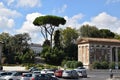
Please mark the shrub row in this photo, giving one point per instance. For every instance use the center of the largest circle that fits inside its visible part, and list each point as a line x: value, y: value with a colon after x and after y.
x: 72, y: 64
x: 104, y: 65
x: 40, y: 66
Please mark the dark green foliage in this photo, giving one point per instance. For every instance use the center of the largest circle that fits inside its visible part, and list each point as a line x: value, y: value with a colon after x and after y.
x: 96, y: 65
x: 89, y: 31
x: 63, y: 63
x: 28, y: 57
x: 112, y: 65
x: 55, y: 57
x: 46, y: 43
x: 79, y: 64
x: 73, y: 64
x: 69, y: 36
x: 100, y: 65
x: 71, y: 52
x: 57, y: 41
x: 104, y: 65
x: 14, y: 46
x: 105, y: 33
x: 117, y: 36
x: 49, y: 19
x: 92, y: 31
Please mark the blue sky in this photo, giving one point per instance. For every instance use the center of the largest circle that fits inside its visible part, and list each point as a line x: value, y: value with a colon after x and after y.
x: 16, y: 16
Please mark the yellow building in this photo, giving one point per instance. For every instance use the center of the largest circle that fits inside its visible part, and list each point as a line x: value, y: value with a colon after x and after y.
x: 97, y: 49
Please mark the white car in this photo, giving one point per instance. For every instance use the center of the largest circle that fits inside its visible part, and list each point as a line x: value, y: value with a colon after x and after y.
x: 26, y: 76
x: 13, y: 76
x: 82, y: 72
x: 72, y: 74
x: 47, y: 71
x: 36, y: 72
x: 51, y: 73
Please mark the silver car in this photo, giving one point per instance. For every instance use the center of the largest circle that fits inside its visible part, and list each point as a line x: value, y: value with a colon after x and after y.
x: 13, y: 76
x: 82, y: 72
x: 70, y: 74
x: 26, y: 76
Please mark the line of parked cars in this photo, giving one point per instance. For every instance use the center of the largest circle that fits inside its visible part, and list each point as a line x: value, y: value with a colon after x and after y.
x: 79, y: 72
x: 45, y: 74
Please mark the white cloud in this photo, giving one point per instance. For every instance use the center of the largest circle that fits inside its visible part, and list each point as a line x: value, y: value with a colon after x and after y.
x: 7, y: 17
x: 60, y: 10
x: 28, y: 3
x: 28, y: 27
x: 105, y: 21
x: 7, y: 12
x: 6, y: 23
x: 28, y: 24
x: 73, y: 21
x: 9, y: 2
x: 112, y: 1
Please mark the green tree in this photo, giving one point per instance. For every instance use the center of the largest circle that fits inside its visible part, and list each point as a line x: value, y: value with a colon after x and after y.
x: 8, y: 51
x: 105, y: 33
x: 89, y: 31
x: 14, y: 46
x: 28, y: 57
x: 47, y: 24
x: 69, y: 37
x: 92, y: 31
x: 21, y: 42
x: 54, y: 58
x: 117, y: 36
x: 57, y: 41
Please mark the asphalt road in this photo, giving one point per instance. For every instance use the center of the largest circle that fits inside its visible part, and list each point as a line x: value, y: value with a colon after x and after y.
x: 99, y: 75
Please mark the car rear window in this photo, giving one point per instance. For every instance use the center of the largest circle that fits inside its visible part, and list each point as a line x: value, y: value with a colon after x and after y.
x: 27, y: 75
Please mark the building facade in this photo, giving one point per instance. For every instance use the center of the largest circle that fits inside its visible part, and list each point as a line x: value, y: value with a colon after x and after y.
x: 98, y: 49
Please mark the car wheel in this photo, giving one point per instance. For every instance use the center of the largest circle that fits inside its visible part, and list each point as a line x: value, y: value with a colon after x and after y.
x: 10, y: 79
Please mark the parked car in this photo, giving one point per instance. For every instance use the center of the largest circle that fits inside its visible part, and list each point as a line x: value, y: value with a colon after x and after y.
x: 58, y: 73
x: 51, y: 73
x: 26, y: 76
x: 3, y: 74
x: 42, y: 76
x: 36, y: 72
x: 82, y: 72
x: 15, y: 75
x: 70, y: 74
x: 33, y: 69
x: 48, y: 71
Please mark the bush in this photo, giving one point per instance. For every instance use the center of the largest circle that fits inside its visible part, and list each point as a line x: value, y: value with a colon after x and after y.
x: 79, y: 64
x: 72, y: 64
x: 68, y: 64
x: 96, y: 65
x: 63, y: 63
x: 104, y: 65
x: 112, y: 65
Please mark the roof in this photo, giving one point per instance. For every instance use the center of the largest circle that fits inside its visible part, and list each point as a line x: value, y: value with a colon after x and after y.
x: 83, y: 40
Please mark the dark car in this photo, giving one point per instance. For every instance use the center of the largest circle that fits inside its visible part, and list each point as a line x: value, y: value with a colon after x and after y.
x: 42, y: 77
x: 58, y: 73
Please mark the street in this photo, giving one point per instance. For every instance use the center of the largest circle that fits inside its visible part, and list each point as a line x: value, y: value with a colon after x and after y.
x: 98, y: 75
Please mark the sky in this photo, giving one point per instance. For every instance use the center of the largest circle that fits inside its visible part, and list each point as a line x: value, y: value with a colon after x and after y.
x: 17, y: 16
